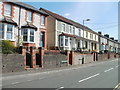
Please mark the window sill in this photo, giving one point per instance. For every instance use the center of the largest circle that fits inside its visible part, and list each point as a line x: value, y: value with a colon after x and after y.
x: 8, y: 39
x: 28, y: 42
x: 7, y: 16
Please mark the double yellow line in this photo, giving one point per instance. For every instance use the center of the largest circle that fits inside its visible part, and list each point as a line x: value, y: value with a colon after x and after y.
x: 117, y: 87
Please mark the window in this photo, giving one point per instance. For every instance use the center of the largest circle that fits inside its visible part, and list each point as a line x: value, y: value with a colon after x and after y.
x: 70, y: 28
x: 7, y: 10
x: 6, y: 31
x: 25, y: 34
x: 63, y: 27
x: 86, y: 34
x: 79, y: 32
x: 73, y: 30
x: 1, y: 31
x: 95, y: 37
x: 86, y: 44
x: 42, y: 39
x: 9, y: 31
x: 91, y: 36
x: 28, y: 35
x: 66, y: 41
x: 31, y: 35
x: 29, y: 16
x: 42, y: 20
x: 61, y: 41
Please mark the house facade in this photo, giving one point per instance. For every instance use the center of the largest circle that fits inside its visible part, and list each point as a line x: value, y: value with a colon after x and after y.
x: 108, y: 44
x: 65, y: 34
x: 22, y: 24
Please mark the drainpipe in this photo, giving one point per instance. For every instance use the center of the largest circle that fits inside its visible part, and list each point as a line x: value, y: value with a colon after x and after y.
x: 19, y: 27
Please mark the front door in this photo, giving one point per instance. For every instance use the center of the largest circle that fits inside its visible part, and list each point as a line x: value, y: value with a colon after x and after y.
x: 42, y: 39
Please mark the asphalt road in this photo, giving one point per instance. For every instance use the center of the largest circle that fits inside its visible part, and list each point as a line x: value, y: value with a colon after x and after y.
x: 98, y: 75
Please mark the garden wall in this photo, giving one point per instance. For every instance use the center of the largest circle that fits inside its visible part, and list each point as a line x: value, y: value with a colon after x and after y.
x: 12, y: 62
x: 54, y: 60
x: 78, y: 58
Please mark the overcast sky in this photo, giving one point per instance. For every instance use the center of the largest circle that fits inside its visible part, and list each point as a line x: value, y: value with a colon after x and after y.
x: 103, y: 15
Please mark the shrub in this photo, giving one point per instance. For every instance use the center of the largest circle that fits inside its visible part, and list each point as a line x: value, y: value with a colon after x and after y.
x: 7, y: 47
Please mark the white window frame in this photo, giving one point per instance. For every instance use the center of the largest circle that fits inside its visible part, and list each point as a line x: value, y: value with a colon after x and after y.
x: 28, y: 35
x: 66, y: 38
x: 73, y: 30
x: 31, y: 17
x: 70, y: 29
x: 2, y: 30
x: 62, y: 37
x: 7, y: 9
x: 86, y: 34
x: 79, y: 32
x: 63, y: 28
x: 42, y: 20
x: 5, y: 32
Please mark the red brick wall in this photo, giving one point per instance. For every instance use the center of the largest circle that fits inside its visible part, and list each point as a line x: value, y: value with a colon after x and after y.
x: 29, y: 44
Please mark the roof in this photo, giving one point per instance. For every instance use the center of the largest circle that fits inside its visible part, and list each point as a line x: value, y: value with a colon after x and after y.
x: 21, y: 4
x: 75, y: 36
x: 8, y: 20
x: 61, y: 18
x: 29, y: 25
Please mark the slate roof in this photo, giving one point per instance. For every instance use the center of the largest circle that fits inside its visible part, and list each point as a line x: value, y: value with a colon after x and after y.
x: 8, y: 20
x: 29, y: 25
x: 61, y: 18
x: 21, y: 4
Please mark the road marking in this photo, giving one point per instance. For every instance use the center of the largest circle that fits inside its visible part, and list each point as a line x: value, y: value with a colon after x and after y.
x: 108, y: 70
x: 15, y: 83
x: 89, y: 77
x: 117, y: 87
x: 59, y: 88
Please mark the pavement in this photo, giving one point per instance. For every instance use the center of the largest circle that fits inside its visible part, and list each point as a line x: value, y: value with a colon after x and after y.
x: 103, y: 74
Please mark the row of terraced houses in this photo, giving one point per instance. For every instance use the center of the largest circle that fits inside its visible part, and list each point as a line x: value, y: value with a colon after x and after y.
x: 24, y: 25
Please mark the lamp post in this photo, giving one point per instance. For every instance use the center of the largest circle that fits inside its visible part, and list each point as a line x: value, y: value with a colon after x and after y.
x: 83, y: 27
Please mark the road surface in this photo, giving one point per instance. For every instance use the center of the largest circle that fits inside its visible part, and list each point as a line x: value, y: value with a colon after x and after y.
x: 96, y: 75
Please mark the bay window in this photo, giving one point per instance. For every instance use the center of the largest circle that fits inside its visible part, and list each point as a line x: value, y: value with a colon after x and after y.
x: 7, y: 9
x: 61, y: 41
x: 31, y: 35
x: 42, y: 20
x: 64, y: 41
x: 6, y: 31
x: 28, y: 35
x: 9, y: 32
x: 29, y: 16
x: 25, y: 34
x: 1, y: 31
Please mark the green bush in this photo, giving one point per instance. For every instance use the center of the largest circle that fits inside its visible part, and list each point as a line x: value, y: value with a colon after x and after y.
x: 7, y: 47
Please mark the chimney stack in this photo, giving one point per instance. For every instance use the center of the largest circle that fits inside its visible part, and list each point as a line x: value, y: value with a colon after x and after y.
x: 106, y: 35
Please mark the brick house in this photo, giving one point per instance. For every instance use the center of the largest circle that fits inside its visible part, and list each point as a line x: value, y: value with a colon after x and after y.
x: 22, y: 24
x: 65, y: 34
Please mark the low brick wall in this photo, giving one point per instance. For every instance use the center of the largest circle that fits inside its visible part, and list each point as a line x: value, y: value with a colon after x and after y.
x: 78, y: 58
x: 102, y: 57
x: 112, y: 55
x: 12, y: 63
x: 54, y: 60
